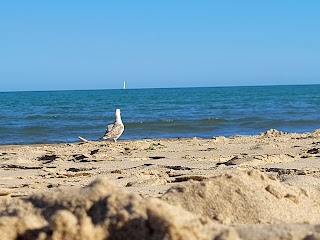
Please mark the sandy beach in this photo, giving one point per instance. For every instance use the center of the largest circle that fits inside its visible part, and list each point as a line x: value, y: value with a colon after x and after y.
x: 243, y: 187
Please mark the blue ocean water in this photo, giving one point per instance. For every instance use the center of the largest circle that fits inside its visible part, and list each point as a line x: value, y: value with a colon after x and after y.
x: 62, y: 116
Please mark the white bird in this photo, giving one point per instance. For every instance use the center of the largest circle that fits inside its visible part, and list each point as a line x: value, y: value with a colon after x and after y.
x: 114, y: 130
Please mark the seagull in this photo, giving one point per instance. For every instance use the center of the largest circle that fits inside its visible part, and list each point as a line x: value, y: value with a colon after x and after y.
x: 114, y: 130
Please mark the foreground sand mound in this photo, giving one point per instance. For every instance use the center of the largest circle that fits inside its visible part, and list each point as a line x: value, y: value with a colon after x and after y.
x: 100, y: 211
x: 246, y: 198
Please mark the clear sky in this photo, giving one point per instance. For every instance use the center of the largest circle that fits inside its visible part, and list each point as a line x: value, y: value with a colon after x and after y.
x: 75, y: 44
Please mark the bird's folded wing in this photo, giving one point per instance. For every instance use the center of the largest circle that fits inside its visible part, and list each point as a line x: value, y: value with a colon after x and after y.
x: 115, y: 131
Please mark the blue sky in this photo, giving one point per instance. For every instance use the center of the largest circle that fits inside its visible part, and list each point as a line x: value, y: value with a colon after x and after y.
x: 51, y: 45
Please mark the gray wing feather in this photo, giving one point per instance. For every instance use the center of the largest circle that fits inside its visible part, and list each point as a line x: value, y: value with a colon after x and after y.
x: 109, y: 127
x: 114, y: 131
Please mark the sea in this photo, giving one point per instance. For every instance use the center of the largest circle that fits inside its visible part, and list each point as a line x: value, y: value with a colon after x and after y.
x: 62, y: 116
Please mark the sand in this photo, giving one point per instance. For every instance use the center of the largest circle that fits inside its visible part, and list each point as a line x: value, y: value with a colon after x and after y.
x: 243, y: 187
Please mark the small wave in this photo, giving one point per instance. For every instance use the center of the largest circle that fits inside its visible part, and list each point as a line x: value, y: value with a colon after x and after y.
x: 248, y: 120
x: 40, y: 117
x: 34, y: 130
x: 304, y: 122
x: 290, y: 125
x: 168, y: 120
x: 213, y: 120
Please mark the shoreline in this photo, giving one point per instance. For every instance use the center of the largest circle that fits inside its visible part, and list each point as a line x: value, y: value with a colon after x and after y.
x: 274, y: 176
x: 160, y: 138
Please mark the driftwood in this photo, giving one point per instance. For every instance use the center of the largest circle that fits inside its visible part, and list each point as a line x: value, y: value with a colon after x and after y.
x: 83, y: 139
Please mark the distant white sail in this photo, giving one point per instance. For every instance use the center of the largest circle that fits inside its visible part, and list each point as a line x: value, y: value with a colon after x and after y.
x: 124, y: 84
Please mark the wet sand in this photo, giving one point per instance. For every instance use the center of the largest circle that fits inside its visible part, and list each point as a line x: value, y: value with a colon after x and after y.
x: 243, y: 187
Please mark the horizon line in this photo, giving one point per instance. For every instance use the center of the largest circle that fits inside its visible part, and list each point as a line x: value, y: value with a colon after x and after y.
x: 102, y: 89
